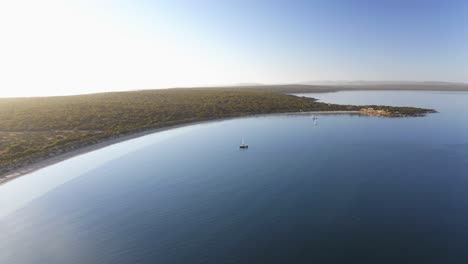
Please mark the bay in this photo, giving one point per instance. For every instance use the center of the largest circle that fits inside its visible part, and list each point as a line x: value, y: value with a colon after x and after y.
x: 345, y: 189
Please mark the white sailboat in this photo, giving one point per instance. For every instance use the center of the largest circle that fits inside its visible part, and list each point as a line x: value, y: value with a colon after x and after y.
x: 243, y: 145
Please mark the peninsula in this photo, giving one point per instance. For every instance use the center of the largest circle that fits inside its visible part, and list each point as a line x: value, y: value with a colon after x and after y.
x: 43, y: 130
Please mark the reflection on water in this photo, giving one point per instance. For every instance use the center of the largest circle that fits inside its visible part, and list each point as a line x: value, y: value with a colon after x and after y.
x: 17, y: 193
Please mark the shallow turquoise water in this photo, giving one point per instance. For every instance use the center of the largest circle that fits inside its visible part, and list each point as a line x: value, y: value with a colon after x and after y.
x: 349, y: 189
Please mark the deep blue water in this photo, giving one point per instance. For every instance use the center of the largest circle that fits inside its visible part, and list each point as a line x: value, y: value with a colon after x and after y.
x: 349, y: 189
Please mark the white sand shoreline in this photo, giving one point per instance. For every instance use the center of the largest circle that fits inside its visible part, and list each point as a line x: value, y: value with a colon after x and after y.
x: 83, y: 150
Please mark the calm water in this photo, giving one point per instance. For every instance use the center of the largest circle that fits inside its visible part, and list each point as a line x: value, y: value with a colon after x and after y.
x: 349, y: 189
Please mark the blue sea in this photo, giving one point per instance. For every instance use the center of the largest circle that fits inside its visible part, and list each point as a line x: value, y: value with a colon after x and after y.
x: 345, y: 188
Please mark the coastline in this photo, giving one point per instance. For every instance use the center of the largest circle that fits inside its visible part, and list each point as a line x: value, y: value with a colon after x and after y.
x: 40, y: 164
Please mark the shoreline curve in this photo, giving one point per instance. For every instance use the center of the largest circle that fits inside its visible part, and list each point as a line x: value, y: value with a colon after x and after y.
x: 40, y: 164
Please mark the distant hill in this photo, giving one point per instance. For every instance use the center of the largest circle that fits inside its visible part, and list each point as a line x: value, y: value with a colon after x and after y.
x: 334, y: 86
x: 397, y: 83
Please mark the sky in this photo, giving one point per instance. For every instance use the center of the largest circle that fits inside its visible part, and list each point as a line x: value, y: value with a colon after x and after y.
x: 61, y: 47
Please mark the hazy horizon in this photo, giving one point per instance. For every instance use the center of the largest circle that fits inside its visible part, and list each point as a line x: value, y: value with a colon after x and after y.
x: 318, y: 83
x: 78, y: 47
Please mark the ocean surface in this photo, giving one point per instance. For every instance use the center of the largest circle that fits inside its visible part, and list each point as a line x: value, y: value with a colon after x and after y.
x: 343, y: 189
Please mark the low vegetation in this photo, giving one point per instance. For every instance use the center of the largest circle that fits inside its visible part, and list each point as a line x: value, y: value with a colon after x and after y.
x: 32, y: 129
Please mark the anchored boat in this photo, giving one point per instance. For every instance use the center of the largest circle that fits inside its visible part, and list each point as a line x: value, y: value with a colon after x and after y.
x: 243, y: 145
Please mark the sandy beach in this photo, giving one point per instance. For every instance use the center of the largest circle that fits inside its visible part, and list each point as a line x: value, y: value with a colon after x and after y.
x: 80, y: 151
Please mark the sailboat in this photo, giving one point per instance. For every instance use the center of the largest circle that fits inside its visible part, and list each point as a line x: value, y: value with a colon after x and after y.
x: 243, y: 145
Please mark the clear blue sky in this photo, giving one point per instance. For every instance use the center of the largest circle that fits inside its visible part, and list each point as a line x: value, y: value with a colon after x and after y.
x: 63, y: 47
